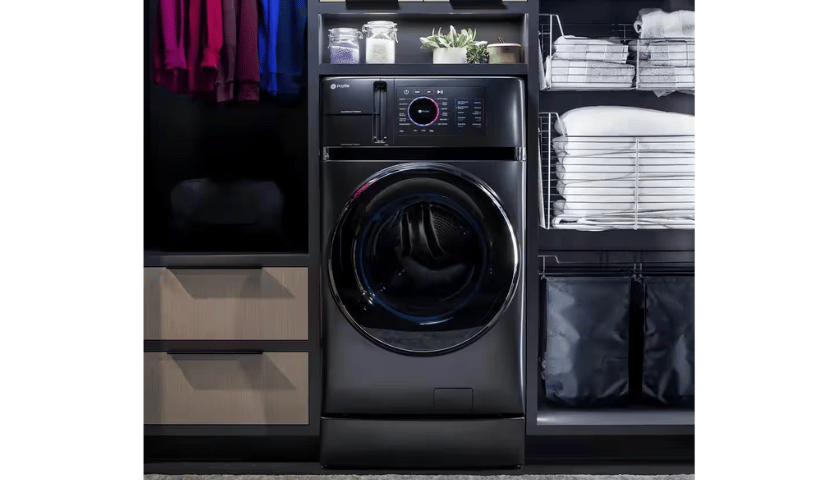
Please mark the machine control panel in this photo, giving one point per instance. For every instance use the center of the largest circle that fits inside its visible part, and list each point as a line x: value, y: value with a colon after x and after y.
x: 434, y: 111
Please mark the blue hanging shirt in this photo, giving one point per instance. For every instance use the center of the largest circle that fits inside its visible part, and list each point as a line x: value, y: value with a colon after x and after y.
x: 282, y: 45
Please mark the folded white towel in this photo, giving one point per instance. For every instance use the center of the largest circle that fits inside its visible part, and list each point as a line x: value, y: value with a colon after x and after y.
x: 649, y: 148
x: 596, y: 188
x: 574, y: 168
x: 623, y: 167
x: 666, y: 78
x: 586, y: 74
x: 682, y: 186
x: 604, y: 223
x: 570, y: 47
x: 623, y: 121
x: 655, y: 23
x: 667, y: 53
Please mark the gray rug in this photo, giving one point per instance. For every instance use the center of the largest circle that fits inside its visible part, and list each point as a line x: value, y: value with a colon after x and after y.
x: 418, y: 477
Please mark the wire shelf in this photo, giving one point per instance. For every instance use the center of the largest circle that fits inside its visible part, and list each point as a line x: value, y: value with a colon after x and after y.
x: 611, y: 57
x: 585, y: 63
x: 615, y: 182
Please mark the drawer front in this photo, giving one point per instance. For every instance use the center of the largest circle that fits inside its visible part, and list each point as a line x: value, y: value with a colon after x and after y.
x: 226, y: 304
x: 226, y: 389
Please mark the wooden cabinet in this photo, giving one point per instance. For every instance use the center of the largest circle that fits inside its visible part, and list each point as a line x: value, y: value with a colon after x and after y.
x: 230, y: 389
x: 226, y: 304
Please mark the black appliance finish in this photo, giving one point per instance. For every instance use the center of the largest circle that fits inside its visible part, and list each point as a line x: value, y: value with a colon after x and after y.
x: 423, y: 112
x: 423, y: 316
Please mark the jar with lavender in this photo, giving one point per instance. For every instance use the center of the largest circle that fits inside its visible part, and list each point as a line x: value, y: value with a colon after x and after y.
x: 344, y: 45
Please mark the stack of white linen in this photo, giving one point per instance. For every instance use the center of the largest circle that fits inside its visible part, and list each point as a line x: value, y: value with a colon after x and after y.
x: 580, y: 62
x: 624, y: 167
x: 665, y: 50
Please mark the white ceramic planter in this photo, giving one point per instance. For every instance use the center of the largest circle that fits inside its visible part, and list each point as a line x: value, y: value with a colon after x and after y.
x: 449, y: 55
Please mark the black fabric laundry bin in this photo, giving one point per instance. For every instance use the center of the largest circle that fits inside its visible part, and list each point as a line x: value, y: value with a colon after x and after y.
x: 227, y: 215
x: 585, y: 361
x: 668, y: 377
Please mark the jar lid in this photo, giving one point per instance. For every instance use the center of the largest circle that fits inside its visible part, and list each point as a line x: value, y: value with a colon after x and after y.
x: 343, y: 31
x: 380, y: 24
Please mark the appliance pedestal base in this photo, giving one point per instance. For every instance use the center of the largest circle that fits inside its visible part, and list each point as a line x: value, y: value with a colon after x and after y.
x: 422, y: 443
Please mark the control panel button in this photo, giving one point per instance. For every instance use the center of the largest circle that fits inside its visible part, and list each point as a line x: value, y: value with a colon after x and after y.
x: 423, y: 111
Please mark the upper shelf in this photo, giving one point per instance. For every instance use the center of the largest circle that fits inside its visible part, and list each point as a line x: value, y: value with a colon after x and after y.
x: 423, y: 8
x: 425, y: 69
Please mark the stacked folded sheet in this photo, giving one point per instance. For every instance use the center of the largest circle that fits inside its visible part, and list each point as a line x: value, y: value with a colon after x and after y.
x: 579, y: 62
x: 665, y: 50
x: 623, y: 167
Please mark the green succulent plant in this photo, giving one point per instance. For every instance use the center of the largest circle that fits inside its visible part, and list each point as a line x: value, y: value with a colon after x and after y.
x: 477, y: 52
x: 453, y: 39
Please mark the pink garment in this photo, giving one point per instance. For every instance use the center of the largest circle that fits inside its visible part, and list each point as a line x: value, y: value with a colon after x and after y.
x: 187, y: 44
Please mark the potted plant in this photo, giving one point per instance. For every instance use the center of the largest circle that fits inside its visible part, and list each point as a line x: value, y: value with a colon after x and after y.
x: 452, y: 47
x: 477, y: 53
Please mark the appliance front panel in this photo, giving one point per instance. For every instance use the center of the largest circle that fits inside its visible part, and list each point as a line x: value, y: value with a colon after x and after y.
x: 490, y: 369
x: 423, y: 111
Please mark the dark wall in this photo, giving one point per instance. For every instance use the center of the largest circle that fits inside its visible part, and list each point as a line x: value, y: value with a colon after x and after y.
x: 187, y: 138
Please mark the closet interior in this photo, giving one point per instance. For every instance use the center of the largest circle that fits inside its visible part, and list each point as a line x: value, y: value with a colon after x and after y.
x: 614, y: 351
x: 609, y: 262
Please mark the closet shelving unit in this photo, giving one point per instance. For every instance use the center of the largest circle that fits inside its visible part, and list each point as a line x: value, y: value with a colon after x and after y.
x: 550, y: 432
x: 569, y: 251
x: 414, y: 20
x: 174, y: 126
x: 514, y: 21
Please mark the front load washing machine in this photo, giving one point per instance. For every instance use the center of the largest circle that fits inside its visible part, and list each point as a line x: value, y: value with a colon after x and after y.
x: 423, y: 214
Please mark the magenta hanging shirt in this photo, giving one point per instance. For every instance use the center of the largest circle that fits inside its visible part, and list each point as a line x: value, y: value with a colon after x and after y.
x: 188, y: 40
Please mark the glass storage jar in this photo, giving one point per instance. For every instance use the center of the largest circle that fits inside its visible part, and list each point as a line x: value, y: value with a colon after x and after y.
x: 344, y: 45
x: 380, y: 41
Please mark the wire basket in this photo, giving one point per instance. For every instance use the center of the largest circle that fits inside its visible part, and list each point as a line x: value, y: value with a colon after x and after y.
x: 585, y: 63
x: 615, y: 182
x: 664, y: 64
x: 624, y: 62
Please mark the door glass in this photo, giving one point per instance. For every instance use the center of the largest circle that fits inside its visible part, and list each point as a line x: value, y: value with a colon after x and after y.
x: 422, y: 257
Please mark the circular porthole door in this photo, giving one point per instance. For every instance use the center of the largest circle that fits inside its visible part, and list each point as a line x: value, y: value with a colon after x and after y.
x: 423, y: 258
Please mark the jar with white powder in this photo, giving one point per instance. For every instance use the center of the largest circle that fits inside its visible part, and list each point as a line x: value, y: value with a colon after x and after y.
x: 344, y: 45
x: 380, y: 41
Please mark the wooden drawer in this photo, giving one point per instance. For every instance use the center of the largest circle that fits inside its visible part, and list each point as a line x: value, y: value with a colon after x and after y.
x: 227, y: 389
x: 226, y: 304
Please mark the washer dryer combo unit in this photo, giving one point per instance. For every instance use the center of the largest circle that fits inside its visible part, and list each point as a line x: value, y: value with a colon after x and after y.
x: 423, y: 214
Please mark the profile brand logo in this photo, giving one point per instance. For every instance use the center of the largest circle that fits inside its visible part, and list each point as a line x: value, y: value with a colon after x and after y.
x: 339, y: 85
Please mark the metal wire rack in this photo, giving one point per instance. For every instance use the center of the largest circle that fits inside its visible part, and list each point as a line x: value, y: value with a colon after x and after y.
x: 611, y: 57
x: 626, y: 262
x: 608, y: 182
x: 664, y: 64
x: 589, y: 62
